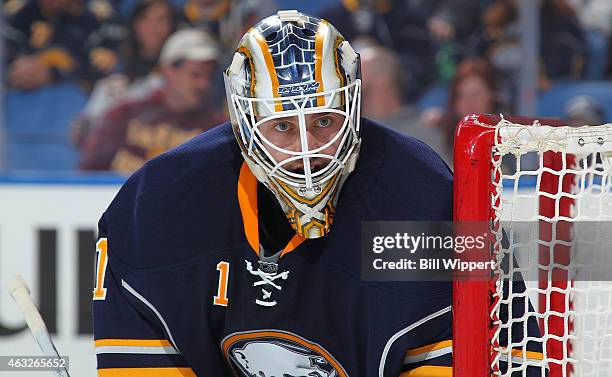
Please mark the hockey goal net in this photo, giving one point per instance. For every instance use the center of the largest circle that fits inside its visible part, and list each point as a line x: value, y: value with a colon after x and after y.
x: 512, y: 170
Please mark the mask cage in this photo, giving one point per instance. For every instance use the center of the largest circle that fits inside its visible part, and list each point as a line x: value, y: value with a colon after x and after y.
x: 344, y: 101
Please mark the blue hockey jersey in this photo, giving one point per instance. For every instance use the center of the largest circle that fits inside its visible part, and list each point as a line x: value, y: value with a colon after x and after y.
x: 183, y: 286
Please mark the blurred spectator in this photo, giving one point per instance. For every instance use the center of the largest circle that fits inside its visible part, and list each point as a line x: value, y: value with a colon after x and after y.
x: 382, y: 96
x: 395, y: 25
x: 455, y: 27
x: 136, y: 131
x: 46, y: 41
x: 473, y: 90
x: 596, y: 19
x: 583, y: 111
x: 452, y: 19
x: 126, y: 7
x: 132, y: 74
x: 103, y: 43
x: 561, y: 42
x: 149, y: 25
x: 226, y: 20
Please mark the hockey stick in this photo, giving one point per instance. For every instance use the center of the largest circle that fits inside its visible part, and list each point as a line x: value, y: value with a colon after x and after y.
x: 20, y: 292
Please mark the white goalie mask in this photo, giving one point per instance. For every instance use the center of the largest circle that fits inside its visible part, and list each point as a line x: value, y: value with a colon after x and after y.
x: 293, y: 90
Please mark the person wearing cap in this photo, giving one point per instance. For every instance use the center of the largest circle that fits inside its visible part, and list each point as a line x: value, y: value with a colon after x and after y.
x: 584, y: 110
x: 129, y: 69
x: 136, y: 131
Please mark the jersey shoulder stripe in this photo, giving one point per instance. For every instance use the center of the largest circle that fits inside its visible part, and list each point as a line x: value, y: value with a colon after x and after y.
x: 429, y: 371
x: 428, y: 352
x: 146, y: 372
x: 135, y: 346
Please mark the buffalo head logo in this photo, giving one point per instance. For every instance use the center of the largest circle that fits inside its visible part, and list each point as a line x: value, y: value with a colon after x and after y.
x: 289, y: 356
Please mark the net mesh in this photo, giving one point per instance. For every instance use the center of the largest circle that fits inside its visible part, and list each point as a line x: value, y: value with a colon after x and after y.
x: 546, y: 180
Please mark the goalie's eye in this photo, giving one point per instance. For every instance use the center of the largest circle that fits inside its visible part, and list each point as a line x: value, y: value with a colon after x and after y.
x: 323, y: 122
x: 282, y: 127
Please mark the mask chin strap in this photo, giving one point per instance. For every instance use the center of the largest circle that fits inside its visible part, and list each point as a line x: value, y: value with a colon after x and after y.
x: 305, y: 212
x: 257, y: 170
x: 352, y: 160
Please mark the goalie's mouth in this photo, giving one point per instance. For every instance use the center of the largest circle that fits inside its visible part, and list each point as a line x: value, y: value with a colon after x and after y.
x: 297, y: 166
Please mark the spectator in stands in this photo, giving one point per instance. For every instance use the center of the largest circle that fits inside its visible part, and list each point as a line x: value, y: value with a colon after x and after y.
x: 226, y: 20
x: 136, y: 131
x: 561, y: 41
x: 132, y: 73
x: 382, y: 97
x: 584, y: 111
x: 395, y: 25
x: 150, y: 24
x: 451, y: 19
x: 473, y: 90
x: 454, y: 27
x: 596, y: 19
x: 44, y: 41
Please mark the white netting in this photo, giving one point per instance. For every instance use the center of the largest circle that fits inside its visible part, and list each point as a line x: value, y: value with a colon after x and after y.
x: 552, y: 217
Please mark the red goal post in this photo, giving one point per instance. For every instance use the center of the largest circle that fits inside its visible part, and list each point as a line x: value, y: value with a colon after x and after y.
x: 481, y: 143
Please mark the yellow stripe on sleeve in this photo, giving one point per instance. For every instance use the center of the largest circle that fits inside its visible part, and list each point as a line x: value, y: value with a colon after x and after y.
x: 133, y: 342
x: 429, y: 348
x: 528, y: 354
x: 429, y: 371
x: 146, y: 372
x: 517, y: 356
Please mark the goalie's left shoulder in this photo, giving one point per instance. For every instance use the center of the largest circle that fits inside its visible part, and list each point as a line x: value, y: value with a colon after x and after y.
x: 400, y: 177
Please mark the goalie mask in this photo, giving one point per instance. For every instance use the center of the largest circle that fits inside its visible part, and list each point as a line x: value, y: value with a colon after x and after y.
x: 293, y: 90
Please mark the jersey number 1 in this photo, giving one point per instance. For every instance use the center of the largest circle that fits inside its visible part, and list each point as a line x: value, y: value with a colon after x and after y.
x: 221, y: 297
x: 99, y: 292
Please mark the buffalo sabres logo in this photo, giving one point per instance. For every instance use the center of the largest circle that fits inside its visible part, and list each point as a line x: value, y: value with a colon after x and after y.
x: 272, y: 353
